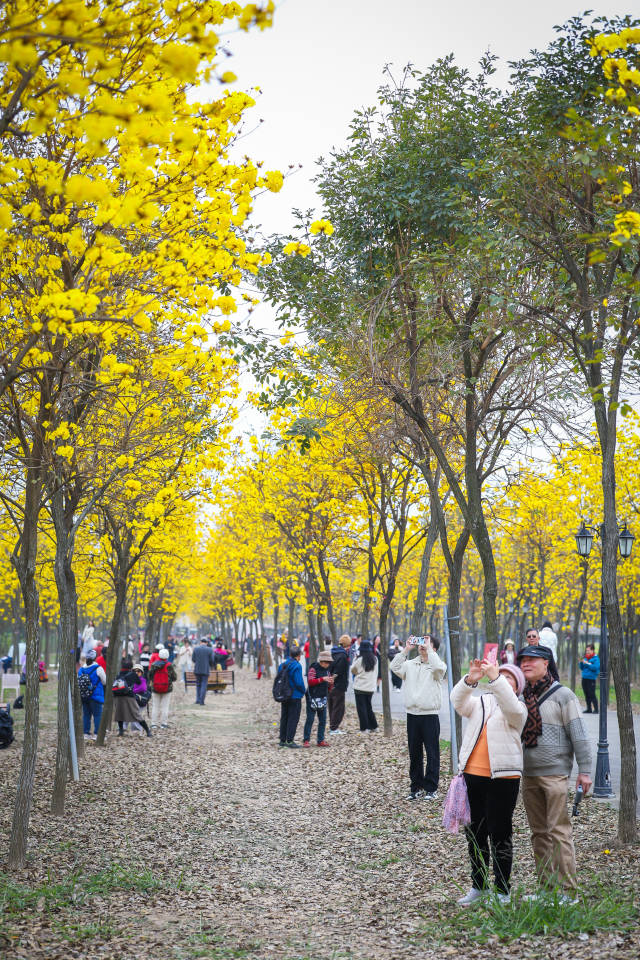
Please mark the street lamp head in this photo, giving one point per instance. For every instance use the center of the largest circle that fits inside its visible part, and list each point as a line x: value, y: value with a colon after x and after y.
x: 584, y: 540
x: 625, y: 542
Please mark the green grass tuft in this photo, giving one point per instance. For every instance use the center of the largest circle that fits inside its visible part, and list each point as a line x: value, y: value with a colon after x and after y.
x: 599, y: 908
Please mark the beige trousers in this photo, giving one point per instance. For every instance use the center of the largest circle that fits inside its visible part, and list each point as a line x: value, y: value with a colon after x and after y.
x: 545, y: 802
x: 160, y: 708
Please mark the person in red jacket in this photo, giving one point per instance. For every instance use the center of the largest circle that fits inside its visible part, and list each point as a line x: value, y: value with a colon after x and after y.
x: 305, y: 650
x: 320, y: 680
x: 156, y: 654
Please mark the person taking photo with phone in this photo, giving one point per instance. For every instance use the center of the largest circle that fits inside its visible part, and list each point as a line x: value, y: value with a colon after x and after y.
x: 491, y: 760
x: 423, y: 677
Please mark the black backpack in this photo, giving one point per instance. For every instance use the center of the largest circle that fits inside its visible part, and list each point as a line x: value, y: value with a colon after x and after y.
x: 6, y: 729
x: 281, y: 685
x: 86, y: 685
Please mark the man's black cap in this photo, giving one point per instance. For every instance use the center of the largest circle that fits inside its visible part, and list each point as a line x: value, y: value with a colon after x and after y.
x: 536, y: 651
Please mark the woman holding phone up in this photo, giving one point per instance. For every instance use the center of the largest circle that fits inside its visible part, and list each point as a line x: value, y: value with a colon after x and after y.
x: 491, y: 761
x: 423, y: 679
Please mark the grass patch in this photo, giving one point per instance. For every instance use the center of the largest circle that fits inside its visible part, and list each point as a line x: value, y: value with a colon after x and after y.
x: 207, y: 943
x: 601, y: 908
x: 74, y: 890
x: 102, y: 929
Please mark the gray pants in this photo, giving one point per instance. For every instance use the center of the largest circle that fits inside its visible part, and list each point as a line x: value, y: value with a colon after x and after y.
x: 201, y: 687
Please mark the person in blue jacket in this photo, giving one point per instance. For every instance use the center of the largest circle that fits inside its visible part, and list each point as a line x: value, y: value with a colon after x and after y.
x: 290, y: 708
x: 93, y: 706
x: 590, y: 667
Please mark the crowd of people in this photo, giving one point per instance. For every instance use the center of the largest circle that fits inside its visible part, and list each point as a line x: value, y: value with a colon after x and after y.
x: 524, y: 731
x: 521, y: 736
x: 142, y: 689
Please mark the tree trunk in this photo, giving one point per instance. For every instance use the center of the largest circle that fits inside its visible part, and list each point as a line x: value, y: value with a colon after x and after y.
x: 328, y: 600
x: 384, y: 665
x: 455, y: 581
x: 65, y: 582
x: 24, y: 561
x: 113, y: 657
x: 291, y: 623
x: 627, y: 823
x: 415, y: 627
x: 313, y: 646
x: 276, y: 651
x: 364, y: 625
x: 575, y: 633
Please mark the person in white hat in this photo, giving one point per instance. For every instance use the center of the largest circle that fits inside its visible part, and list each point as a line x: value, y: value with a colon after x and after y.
x: 162, y: 676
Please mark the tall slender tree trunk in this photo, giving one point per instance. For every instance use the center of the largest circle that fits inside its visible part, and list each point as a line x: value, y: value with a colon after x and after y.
x: 276, y: 651
x: 328, y: 600
x: 291, y: 623
x: 65, y: 582
x: 627, y: 823
x: 366, y: 605
x: 24, y: 561
x: 384, y: 661
x: 113, y: 656
x: 313, y: 645
x: 575, y: 632
x: 415, y: 627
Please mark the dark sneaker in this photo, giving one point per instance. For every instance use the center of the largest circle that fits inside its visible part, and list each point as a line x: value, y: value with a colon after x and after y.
x: 282, y: 745
x: 416, y: 795
x: 293, y: 746
x: 430, y: 795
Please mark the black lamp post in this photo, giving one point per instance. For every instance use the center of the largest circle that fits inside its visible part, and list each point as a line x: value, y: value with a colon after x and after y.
x: 584, y: 542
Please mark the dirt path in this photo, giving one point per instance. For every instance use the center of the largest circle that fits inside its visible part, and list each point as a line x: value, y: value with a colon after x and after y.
x: 208, y: 841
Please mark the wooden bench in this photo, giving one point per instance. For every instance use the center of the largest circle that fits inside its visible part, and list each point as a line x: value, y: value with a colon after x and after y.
x: 218, y: 680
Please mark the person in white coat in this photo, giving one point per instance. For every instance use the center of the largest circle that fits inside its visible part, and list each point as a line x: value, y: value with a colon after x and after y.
x: 366, y: 676
x: 423, y: 678
x: 88, y: 639
x: 549, y: 638
x: 491, y: 761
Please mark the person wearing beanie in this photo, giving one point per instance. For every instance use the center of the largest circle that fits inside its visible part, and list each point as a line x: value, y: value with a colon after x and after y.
x: 126, y: 708
x: 162, y: 675
x: 508, y: 652
x: 320, y: 680
x: 340, y: 669
x: 491, y: 761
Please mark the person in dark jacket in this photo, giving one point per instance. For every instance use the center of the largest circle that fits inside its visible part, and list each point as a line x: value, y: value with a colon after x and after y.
x: 203, y: 662
x: 290, y: 708
x: 320, y: 680
x: 126, y: 709
x: 394, y: 650
x: 340, y: 669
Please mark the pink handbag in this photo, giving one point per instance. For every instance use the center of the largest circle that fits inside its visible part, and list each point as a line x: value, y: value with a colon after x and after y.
x: 456, y: 812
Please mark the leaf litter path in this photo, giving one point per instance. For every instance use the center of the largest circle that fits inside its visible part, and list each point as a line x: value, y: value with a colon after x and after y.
x: 225, y: 846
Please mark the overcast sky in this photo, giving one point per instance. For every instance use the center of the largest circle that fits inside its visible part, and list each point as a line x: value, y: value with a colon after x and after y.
x: 323, y: 60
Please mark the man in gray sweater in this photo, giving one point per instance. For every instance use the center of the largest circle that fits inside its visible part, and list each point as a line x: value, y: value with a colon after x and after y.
x: 552, y: 735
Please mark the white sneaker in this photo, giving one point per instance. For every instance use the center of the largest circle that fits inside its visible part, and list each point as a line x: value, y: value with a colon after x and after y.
x: 472, y: 897
x: 565, y: 898
x: 432, y: 795
x: 503, y: 897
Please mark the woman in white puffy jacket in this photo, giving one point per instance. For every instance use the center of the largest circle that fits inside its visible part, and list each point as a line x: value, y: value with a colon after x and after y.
x: 491, y: 761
